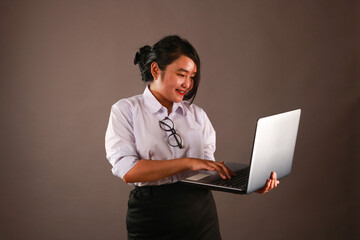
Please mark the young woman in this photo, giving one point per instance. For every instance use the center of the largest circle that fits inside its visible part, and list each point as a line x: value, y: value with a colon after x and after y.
x: 155, y: 139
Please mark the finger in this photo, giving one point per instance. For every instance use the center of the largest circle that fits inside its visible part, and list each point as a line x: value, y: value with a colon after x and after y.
x: 225, y: 170
x: 230, y: 173
x: 228, y: 169
x: 273, y: 184
x: 274, y: 176
x: 265, y: 189
x: 267, y: 186
x: 219, y: 170
x: 210, y: 168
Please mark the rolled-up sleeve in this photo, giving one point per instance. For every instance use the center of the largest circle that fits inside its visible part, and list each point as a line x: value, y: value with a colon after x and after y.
x: 209, y: 138
x: 120, y: 141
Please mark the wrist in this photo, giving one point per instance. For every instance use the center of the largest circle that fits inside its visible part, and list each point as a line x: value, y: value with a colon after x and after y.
x: 187, y: 162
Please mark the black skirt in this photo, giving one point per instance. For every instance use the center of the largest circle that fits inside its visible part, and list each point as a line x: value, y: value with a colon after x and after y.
x: 174, y: 211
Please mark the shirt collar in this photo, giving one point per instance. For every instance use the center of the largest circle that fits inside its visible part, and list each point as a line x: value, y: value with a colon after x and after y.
x: 154, y: 106
x: 178, y: 107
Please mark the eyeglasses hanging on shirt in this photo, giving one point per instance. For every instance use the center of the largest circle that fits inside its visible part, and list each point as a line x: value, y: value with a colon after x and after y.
x: 173, y: 139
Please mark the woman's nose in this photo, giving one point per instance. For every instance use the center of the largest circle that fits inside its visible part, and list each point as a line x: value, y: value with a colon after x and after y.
x: 187, y: 82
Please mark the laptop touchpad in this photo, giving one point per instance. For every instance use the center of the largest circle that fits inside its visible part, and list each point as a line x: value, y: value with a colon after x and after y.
x: 198, y: 177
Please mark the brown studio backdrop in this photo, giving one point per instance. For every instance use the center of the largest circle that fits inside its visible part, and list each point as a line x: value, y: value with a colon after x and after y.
x: 64, y: 63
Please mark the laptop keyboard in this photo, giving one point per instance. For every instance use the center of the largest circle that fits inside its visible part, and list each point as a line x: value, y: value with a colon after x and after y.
x: 238, y: 181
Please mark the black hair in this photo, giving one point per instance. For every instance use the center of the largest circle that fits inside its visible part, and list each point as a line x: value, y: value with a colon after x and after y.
x: 164, y: 52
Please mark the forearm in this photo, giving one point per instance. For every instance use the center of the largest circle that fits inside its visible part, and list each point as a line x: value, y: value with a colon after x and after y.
x: 151, y: 170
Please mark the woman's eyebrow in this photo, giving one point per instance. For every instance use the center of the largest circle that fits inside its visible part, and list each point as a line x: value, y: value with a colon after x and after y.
x: 184, y: 70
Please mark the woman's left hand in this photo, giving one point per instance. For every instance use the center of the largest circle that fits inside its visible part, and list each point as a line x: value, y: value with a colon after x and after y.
x: 270, y: 184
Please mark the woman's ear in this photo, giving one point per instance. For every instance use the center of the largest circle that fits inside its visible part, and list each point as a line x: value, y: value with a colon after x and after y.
x: 155, y: 70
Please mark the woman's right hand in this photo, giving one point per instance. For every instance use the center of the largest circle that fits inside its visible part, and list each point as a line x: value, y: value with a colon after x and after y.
x: 197, y: 164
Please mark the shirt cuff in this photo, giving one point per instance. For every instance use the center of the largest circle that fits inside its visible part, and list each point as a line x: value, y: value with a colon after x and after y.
x: 124, y: 165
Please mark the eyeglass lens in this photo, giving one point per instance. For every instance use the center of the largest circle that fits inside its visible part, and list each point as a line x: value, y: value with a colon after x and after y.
x: 174, y: 140
x: 167, y: 124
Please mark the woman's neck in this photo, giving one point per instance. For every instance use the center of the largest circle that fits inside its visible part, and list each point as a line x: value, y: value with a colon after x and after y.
x: 167, y: 104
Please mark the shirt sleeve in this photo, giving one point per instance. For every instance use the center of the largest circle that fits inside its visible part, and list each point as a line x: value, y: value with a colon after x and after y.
x: 120, y: 141
x: 209, y: 138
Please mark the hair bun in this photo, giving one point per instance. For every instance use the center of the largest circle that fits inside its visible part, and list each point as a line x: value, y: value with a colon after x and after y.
x: 137, y: 58
x: 142, y: 55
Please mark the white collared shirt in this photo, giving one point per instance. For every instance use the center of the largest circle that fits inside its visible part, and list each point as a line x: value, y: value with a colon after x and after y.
x: 134, y: 133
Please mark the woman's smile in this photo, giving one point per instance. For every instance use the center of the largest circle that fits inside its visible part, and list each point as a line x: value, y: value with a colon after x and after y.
x: 182, y: 93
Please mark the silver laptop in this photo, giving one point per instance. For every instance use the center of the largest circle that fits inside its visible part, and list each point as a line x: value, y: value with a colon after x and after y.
x: 273, y: 150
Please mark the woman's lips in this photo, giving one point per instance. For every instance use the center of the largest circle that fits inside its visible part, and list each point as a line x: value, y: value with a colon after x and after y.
x: 182, y: 93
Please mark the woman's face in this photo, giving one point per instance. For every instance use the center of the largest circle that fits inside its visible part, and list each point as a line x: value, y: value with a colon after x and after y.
x: 174, y: 82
